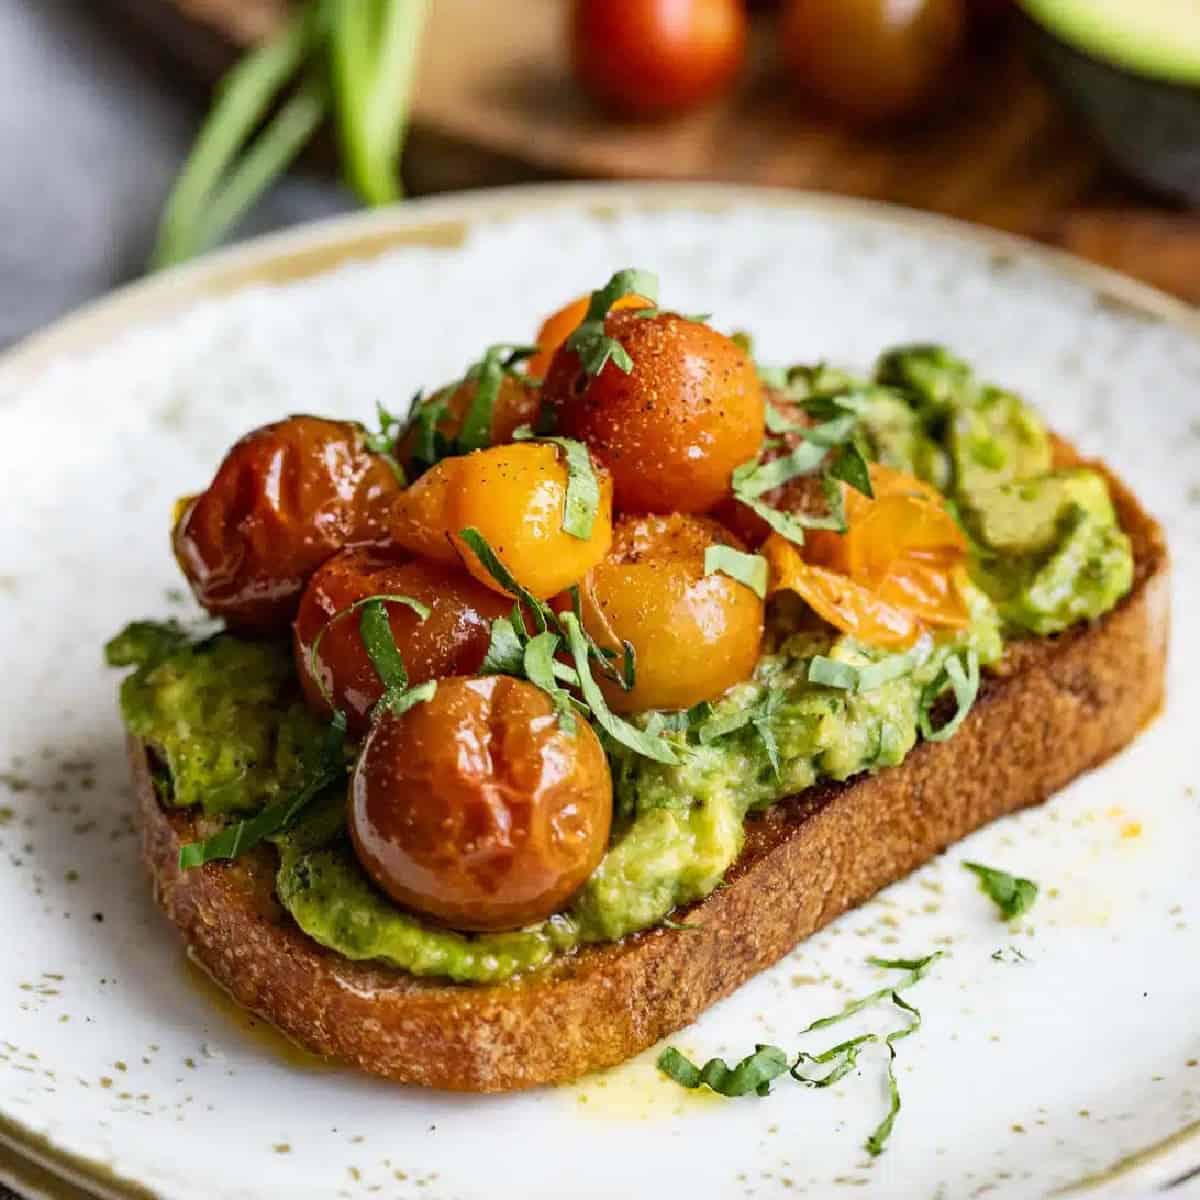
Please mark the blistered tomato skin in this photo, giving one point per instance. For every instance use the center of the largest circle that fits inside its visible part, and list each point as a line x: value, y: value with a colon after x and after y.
x: 477, y: 808
x: 673, y: 429
x: 452, y: 640
x: 516, y: 404
x: 286, y: 497
x: 694, y: 635
x: 514, y: 496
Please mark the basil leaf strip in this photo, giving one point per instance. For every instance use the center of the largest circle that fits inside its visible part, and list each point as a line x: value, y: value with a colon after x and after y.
x: 828, y: 672
x: 878, y: 1139
x: 847, y: 1051
x: 747, y: 569
x: 380, y: 644
x: 582, y: 500
x: 594, y: 347
x: 244, y: 835
x: 538, y: 663
x: 619, y: 730
x: 488, y: 373
x: 422, y: 611
x: 1011, y: 894
x: 753, y: 479
x: 964, y: 680
x: 753, y: 1074
x: 539, y: 613
x: 850, y: 465
x: 505, y: 653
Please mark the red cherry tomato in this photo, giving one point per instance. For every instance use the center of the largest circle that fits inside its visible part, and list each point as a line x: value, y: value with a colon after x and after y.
x: 648, y: 57
x: 286, y: 497
x: 452, y: 640
x: 874, y: 60
x: 478, y: 808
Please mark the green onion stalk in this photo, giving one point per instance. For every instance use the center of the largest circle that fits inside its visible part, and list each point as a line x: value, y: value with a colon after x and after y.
x: 349, y: 60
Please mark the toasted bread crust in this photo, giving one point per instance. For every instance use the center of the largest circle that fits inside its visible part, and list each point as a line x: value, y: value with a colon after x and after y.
x: 1057, y: 707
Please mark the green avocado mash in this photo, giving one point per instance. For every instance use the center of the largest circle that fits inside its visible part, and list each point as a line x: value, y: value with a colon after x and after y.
x: 226, y: 718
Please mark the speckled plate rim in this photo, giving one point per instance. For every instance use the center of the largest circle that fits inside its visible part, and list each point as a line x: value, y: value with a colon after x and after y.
x: 32, y: 1162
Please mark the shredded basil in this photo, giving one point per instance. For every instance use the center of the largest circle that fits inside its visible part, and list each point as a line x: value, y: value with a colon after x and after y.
x: 538, y: 665
x: 582, y: 501
x: 243, y: 836
x: 381, y: 598
x: 638, y: 740
x: 538, y: 612
x: 753, y: 479
x: 829, y: 672
x: 594, y: 347
x: 1012, y: 895
x: 748, y: 569
x: 850, y: 465
x: 960, y: 673
x: 488, y: 374
x: 756, y: 1072
x: 752, y: 1075
x: 505, y: 652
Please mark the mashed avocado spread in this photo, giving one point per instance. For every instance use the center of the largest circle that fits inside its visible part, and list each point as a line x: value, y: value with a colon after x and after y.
x: 227, y: 722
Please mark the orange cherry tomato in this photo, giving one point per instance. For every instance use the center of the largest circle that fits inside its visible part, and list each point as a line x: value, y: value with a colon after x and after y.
x: 330, y: 656
x: 514, y: 496
x: 559, y: 326
x: 673, y: 429
x: 285, y: 498
x: 694, y: 635
x: 837, y: 599
x: 517, y: 404
x: 873, y: 60
x: 647, y: 57
x: 477, y: 808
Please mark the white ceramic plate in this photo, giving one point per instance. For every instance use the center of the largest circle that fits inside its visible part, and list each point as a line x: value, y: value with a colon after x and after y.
x: 119, y: 1068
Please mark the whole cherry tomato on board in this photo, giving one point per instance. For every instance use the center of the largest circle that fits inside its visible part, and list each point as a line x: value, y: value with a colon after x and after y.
x: 674, y: 427
x: 694, y: 634
x: 648, y: 57
x: 477, y: 808
x: 873, y: 60
x: 286, y: 497
x: 330, y: 656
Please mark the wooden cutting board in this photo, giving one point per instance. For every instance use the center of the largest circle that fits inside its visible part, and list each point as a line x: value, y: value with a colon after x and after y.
x: 494, y: 84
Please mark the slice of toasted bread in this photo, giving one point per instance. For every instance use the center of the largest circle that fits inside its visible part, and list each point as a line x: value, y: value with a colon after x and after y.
x: 1055, y: 707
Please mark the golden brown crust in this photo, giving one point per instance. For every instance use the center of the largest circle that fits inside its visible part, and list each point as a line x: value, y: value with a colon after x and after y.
x: 1057, y: 707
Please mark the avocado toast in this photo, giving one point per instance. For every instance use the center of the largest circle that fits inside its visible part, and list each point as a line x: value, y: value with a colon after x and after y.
x: 797, y: 790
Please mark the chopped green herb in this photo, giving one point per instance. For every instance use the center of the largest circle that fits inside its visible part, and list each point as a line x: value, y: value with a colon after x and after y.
x: 638, y: 740
x: 538, y: 664
x: 366, y: 603
x: 964, y: 680
x: 1012, y: 894
x: 846, y: 1052
x: 243, y: 836
x: 878, y: 1139
x: 753, y: 1074
x: 505, y: 652
x: 748, y: 569
x: 850, y: 465
x: 582, y: 500
x: 753, y: 479
x: 829, y: 672
x: 594, y: 347
x: 488, y: 374
x: 538, y: 612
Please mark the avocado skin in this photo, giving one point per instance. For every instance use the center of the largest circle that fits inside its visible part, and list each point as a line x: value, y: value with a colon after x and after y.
x: 1150, y: 128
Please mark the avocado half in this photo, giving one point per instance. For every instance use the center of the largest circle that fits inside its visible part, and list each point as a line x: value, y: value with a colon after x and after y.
x: 1131, y: 69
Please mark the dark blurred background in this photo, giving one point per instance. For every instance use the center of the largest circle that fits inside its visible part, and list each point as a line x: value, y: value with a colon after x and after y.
x: 981, y: 109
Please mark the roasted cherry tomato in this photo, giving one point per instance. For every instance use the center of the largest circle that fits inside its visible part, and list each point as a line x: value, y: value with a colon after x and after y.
x: 559, y: 326
x: 477, y: 808
x: 694, y: 635
x: 895, y: 569
x: 451, y: 640
x: 514, y: 496
x: 837, y: 599
x: 286, y: 497
x: 646, y: 57
x: 873, y: 60
x: 672, y: 430
x: 517, y: 404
